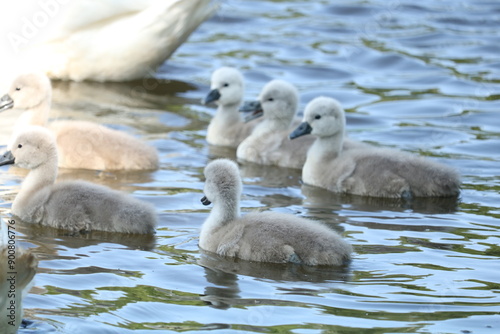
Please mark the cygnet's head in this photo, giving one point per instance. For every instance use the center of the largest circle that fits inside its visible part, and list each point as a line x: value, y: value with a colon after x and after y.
x: 277, y: 100
x: 27, y: 91
x: 32, y: 148
x: 323, y: 117
x: 227, y: 87
x: 223, y: 182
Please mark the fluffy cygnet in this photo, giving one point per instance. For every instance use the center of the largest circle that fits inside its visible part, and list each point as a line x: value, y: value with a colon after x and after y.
x: 80, y: 144
x: 227, y: 127
x: 269, y: 143
x: 77, y: 206
x: 264, y: 236
x: 369, y: 170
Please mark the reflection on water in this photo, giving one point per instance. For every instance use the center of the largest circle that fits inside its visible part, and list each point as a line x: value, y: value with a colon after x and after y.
x: 423, y: 78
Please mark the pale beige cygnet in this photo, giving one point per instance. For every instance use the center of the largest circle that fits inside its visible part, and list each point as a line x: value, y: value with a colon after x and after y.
x: 81, y: 144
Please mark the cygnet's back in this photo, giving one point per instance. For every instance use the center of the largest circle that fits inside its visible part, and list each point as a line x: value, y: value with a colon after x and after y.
x: 227, y: 127
x: 368, y: 170
x: 269, y: 144
x: 83, y: 206
x: 264, y: 236
x: 73, y: 205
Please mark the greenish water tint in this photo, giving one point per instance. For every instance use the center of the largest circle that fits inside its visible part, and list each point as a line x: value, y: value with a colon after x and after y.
x: 421, y: 77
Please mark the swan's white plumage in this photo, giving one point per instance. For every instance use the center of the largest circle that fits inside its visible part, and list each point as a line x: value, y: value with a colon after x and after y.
x: 264, y: 236
x: 108, y: 40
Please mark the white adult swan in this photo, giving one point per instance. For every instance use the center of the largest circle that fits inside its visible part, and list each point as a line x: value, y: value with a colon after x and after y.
x: 227, y: 127
x: 368, y: 171
x: 106, y: 40
x: 264, y: 236
x: 81, y: 144
x: 76, y: 206
x: 17, y: 269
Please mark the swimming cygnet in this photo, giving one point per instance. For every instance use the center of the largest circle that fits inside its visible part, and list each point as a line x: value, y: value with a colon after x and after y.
x: 227, y: 127
x: 263, y: 236
x: 269, y: 144
x: 77, y: 206
x: 17, y: 269
x: 80, y: 144
x: 369, y: 170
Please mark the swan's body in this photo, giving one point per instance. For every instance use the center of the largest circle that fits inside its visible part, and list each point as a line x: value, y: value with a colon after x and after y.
x: 73, y: 205
x: 227, y: 127
x: 269, y: 144
x: 20, y: 271
x: 368, y: 170
x: 80, y: 144
x: 107, y: 40
x: 265, y: 236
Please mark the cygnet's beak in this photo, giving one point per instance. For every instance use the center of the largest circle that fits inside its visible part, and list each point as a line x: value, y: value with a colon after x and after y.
x: 212, y: 96
x: 7, y: 159
x: 6, y: 102
x: 205, y: 201
x: 252, y: 110
x: 303, y: 129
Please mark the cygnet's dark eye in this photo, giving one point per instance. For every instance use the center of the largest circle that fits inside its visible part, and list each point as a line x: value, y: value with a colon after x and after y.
x: 225, y: 84
x: 270, y: 99
x: 19, y: 146
x: 317, y: 117
x: 18, y: 88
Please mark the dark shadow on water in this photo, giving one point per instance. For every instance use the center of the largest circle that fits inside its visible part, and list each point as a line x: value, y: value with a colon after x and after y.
x: 49, y: 238
x: 321, y: 198
x: 224, y: 271
x: 216, y: 152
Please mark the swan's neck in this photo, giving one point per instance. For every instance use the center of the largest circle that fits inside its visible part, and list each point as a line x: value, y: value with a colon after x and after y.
x: 39, y: 178
x: 222, y: 214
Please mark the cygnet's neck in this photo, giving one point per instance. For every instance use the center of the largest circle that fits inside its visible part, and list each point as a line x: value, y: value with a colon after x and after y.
x: 326, y: 148
x: 37, y: 115
x: 37, y: 179
x: 228, y: 113
x: 224, y: 211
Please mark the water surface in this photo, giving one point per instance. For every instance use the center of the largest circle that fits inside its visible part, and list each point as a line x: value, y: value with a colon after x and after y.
x: 421, y: 77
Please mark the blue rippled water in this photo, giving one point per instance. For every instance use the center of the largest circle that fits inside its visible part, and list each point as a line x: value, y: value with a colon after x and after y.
x: 423, y: 77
